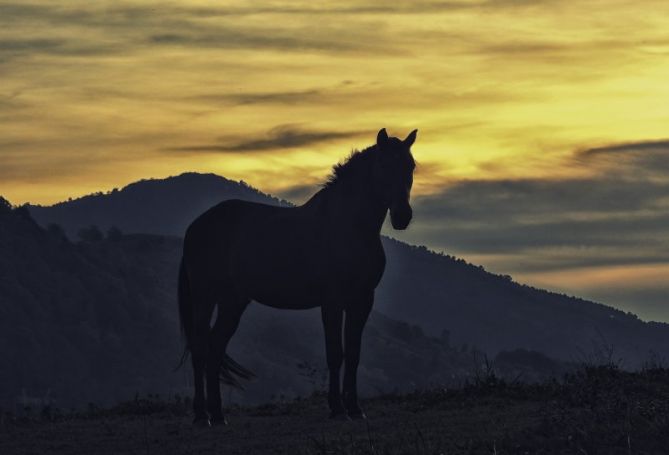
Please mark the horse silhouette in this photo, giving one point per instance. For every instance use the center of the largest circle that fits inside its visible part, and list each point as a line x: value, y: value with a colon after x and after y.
x: 326, y: 252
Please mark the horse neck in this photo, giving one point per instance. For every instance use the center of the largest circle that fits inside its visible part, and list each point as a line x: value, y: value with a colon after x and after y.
x: 355, y: 201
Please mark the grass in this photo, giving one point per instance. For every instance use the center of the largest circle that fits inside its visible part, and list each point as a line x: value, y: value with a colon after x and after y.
x: 594, y: 410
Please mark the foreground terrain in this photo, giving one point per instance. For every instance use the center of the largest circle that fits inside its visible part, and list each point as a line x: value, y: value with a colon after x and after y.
x: 594, y: 410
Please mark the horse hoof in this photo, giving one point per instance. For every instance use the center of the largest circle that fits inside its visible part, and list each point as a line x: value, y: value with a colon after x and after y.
x: 201, y: 422
x: 357, y: 415
x: 219, y: 421
x: 339, y: 416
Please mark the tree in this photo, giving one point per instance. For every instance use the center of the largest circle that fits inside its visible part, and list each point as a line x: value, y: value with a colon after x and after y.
x: 5, y: 206
x: 114, y: 234
x: 56, y: 230
x: 90, y: 234
x: 446, y: 337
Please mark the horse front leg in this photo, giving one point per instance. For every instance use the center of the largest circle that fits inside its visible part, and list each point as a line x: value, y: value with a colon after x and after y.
x: 332, y: 323
x: 356, y: 318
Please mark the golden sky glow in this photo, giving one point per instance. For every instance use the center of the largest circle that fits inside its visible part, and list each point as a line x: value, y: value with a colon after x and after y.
x: 94, y: 95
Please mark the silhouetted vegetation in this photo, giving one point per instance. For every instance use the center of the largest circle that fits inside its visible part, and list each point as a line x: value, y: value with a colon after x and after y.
x: 57, y: 231
x: 90, y: 234
x: 5, y: 206
x: 114, y: 234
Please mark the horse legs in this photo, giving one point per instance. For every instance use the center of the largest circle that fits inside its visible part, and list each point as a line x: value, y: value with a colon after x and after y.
x: 356, y: 317
x: 203, y: 309
x: 332, y: 323
x: 227, y: 321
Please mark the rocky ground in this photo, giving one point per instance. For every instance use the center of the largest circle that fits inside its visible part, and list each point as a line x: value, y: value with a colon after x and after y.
x: 595, y: 410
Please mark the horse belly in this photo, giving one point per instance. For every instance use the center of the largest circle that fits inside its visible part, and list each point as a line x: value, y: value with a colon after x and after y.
x: 288, y: 302
x: 281, y: 290
x: 281, y: 277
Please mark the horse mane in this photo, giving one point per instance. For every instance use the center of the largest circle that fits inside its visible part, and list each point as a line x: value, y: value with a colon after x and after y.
x: 352, y: 167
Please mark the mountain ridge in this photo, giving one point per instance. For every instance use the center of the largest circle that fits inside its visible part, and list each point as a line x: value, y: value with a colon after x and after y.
x: 437, y: 292
x: 96, y: 321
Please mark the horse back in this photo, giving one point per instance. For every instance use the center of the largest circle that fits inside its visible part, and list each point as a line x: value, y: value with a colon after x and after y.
x: 287, y: 257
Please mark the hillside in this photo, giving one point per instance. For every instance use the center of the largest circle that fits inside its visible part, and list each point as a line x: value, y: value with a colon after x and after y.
x: 494, y: 313
x: 595, y: 411
x: 96, y: 322
x: 164, y: 207
x: 441, y: 294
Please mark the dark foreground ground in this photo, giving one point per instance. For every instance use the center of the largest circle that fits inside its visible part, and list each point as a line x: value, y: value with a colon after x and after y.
x: 594, y: 411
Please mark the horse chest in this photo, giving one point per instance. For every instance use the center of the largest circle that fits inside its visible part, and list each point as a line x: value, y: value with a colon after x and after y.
x: 292, y: 274
x: 357, y: 264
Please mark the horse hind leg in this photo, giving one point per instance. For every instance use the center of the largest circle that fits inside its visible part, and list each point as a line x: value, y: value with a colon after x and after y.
x: 220, y: 367
x: 203, y: 308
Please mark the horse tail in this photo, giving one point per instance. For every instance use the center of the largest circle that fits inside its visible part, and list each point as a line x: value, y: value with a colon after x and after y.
x: 185, y: 311
x: 230, y: 369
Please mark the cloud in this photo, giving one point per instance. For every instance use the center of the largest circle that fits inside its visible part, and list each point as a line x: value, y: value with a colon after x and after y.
x: 639, y: 161
x: 13, y: 48
x: 279, y: 137
x: 112, y: 29
x: 616, y: 216
x: 232, y: 38
x: 286, y: 97
x: 522, y: 47
x: 661, y: 146
x: 91, y: 14
x: 598, y: 236
x: 118, y: 28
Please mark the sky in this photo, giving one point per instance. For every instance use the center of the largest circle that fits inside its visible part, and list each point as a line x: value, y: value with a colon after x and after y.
x: 543, y: 147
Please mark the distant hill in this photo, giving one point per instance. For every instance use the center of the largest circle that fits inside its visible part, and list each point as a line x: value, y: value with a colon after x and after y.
x: 164, y: 207
x: 439, y: 293
x: 96, y: 321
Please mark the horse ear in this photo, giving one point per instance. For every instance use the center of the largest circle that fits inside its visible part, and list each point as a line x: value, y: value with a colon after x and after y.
x: 411, y: 138
x: 382, y: 137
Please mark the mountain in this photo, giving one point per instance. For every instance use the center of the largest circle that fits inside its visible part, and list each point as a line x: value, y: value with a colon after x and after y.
x: 443, y: 295
x: 96, y: 321
x: 164, y: 207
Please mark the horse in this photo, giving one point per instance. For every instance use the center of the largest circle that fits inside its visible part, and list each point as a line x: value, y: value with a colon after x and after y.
x: 326, y: 252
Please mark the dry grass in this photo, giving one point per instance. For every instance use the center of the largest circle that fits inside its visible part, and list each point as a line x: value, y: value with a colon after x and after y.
x: 594, y: 410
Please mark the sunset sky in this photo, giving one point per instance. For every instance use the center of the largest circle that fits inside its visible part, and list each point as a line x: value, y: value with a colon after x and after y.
x: 543, y: 142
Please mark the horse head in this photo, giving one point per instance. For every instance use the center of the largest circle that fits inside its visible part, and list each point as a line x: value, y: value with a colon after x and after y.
x: 393, y: 176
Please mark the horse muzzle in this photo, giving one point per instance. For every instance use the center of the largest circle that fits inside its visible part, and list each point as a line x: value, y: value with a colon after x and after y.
x: 400, y: 217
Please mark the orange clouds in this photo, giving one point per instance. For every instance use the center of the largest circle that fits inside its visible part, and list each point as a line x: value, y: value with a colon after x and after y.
x: 94, y: 93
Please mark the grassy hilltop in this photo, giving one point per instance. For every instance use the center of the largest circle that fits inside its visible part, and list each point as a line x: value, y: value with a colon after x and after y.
x: 593, y: 410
